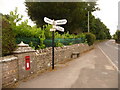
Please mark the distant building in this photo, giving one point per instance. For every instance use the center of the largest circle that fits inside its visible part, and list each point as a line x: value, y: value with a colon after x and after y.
x: 118, y: 16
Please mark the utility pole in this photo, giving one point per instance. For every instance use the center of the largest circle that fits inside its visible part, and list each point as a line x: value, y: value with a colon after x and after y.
x: 88, y: 22
x: 88, y: 18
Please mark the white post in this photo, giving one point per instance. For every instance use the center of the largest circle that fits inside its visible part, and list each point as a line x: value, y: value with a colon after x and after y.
x: 88, y: 23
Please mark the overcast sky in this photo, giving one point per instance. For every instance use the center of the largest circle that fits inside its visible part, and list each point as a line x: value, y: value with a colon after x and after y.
x: 108, y: 13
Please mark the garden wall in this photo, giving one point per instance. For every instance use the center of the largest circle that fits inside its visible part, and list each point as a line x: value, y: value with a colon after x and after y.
x: 13, y: 66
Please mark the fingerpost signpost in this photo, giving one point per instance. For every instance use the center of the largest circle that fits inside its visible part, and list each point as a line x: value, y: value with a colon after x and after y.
x: 54, y: 24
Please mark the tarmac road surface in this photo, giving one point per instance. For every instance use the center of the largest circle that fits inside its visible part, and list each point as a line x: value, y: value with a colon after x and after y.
x: 111, y: 49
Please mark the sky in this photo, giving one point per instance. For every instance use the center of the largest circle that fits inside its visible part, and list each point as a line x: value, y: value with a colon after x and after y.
x: 108, y: 11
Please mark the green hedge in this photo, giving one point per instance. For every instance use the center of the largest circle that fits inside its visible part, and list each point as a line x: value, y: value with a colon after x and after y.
x: 117, y: 36
x: 48, y: 42
x: 8, y: 38
x: 33, y: 42
x: 90, y: 38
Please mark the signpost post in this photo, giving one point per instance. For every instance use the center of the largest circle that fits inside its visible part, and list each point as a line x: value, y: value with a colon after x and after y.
x: 53, y: 29
x: 52, y: 49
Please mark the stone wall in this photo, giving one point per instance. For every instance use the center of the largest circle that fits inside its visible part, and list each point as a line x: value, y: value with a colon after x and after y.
x: 14, y: 65
x: 9, y: 70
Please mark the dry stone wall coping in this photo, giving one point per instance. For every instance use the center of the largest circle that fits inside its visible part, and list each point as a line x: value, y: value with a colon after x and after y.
x: 23, y: 48
x: 8, y: 58
x: 49, y: 49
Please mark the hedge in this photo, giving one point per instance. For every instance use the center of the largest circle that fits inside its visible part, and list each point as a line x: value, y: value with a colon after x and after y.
x: 48, y: 42
x: 90, y: 38
x: 8, y: 38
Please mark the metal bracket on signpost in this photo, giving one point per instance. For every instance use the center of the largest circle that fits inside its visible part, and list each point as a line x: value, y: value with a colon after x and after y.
x: 53, y: 29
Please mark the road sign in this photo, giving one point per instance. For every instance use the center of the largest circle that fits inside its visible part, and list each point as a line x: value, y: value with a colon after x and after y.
x: 59, y: 28
x: 57, y: 22
x: 53, y: 29
x: 61, y: 22
x: 47, y: 20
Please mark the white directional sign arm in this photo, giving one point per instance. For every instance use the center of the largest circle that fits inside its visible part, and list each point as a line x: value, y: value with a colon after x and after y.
x: 54, y: 23
x: 52, y: 29
x: 60, y: 22
x: 47, y: 20
x: 59, y: 28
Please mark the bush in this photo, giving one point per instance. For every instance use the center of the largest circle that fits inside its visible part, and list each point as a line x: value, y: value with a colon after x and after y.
x: 117, y: 36
x: 90, y: 38
x: 101, y: 36
x: 47, y: 32
x: 81, y: 35
x: 33, y: 42
x: 58, y: 44
x: 8, y: 38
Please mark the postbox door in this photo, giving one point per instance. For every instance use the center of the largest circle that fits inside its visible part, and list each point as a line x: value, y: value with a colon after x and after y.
x: 27, y: 62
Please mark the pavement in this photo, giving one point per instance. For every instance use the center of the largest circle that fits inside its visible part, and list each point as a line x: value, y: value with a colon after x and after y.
x: 91, y: 70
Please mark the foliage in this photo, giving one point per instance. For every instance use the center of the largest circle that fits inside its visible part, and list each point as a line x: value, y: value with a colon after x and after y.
x: 47, y: 32
x: 90, y: 38
x: 31, y: 32
x: 70, y: 43
x: 69, y: 36
x: 99, y: 29
x: 58, y: 44
x: 42, y: 38
x: 82, y: 35
x: 67, y: 41
x: 65, y: 35
x: 39, y: 38
x: 23, y: 31
x: 75, y: 12
x: 117, y: 36
x: 8, y: 38
x: 13, y: 18
x: 31, y: 45
x: 33, y: 42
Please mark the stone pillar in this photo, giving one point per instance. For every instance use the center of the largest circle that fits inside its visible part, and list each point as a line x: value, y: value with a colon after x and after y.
x: 21, y: 52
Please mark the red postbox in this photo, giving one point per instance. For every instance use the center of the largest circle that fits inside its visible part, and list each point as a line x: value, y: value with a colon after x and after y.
x: 27, y: 62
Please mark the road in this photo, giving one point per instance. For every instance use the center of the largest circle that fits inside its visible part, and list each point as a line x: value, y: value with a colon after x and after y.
x: 91, y: 70
x: 105, y: 52
x: 111, y: 50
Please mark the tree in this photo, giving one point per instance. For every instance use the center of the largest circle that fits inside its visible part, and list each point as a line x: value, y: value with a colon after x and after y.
x: 75, y: 12
x: 117, y: 36
x: 99, y: 29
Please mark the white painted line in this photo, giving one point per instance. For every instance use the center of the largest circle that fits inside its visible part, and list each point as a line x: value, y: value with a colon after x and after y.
x: 110, y: 45
x: 116, y: 62
x: 109, y: 59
